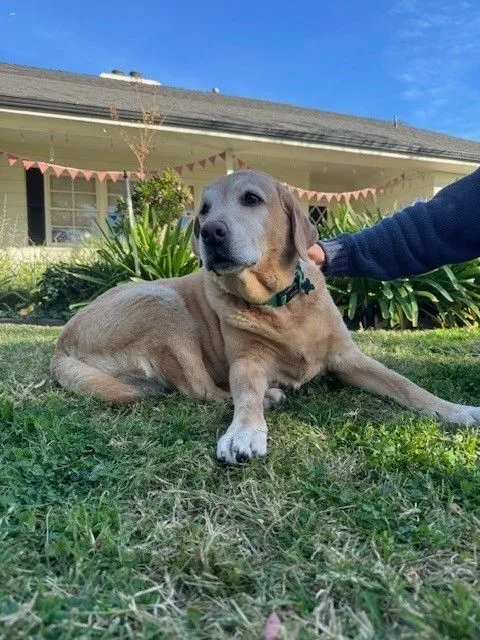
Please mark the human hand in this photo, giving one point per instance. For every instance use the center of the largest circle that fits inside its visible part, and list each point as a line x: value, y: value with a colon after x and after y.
x: 316, y: 254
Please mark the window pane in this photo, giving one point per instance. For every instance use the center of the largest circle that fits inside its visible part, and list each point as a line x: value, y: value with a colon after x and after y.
x: 86, y: 203
x: 112, y: 203
x: 62, y: 200
x: 62, y: 217
x: 116, y: 188
x: 62, y: 235
x: 86, y: 220
x: 79, y: 235
x: 83, y: 185
x: 62, y: 183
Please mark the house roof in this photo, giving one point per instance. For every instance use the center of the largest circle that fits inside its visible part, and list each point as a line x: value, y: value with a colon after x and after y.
x: 91, y: 96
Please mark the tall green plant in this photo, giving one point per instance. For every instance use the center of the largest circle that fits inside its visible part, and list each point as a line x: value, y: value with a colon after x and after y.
x: 446, y: 297
x: 163, y: 251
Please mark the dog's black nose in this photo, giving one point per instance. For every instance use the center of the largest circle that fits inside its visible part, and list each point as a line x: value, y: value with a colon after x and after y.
x: 214, y: 232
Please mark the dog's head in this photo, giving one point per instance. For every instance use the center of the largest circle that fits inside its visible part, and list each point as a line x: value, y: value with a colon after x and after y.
x: 249, y: 232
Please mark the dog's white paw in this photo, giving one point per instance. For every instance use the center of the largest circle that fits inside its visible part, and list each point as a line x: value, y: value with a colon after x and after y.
x: 462, y: 414
x: 273, y: 397
x: 241, y: 445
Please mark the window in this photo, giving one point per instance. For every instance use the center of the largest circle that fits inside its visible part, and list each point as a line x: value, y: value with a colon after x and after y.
x: 316, y: 213
x: 115, y: 190
x: 73, y: 209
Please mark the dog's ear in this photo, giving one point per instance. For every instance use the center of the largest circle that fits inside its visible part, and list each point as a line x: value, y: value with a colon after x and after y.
x: 304, y: 233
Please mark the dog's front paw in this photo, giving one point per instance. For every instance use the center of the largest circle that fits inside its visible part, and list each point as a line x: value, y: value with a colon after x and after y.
x: 243, y: 444
x: 273, y: 396
x: 462, y: 414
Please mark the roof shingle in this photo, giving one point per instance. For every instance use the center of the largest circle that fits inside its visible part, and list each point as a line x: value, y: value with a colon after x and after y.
x: 92, y: 96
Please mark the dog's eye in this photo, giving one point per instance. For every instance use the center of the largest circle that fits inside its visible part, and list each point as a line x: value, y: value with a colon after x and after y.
x: 205, y: 209
x: 250, y: 199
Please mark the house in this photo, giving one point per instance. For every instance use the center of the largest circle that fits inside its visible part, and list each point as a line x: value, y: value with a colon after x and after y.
x: 50, y: 120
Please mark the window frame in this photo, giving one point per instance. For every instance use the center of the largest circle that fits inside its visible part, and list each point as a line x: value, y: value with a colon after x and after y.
x: 48, y: 208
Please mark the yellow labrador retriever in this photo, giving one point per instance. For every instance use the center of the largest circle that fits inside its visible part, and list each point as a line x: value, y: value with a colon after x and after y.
x: 256, y: 317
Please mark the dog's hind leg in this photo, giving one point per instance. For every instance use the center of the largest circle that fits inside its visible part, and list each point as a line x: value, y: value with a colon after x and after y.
x: 361, y: 371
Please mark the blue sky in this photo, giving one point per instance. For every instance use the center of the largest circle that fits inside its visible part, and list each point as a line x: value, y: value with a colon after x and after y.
x: 418, y: 59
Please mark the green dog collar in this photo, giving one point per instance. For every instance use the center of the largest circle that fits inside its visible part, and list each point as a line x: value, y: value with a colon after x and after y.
x: 300, y: 283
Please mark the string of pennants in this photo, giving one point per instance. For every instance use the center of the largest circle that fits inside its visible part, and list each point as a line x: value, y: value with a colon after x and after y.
x: 74, y: 172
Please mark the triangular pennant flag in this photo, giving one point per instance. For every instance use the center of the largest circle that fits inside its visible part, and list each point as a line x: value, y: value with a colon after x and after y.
x: 140, y: 175
x: 328, y: 196
x: 202, y: 163
x: 43, y: 166
x: 28, y: 163
x: 73, y: 173
x: 114, y: 175
x: 212, y: 159
x: 87, y: 173
x: 319, y: 195
x: 101, y: 175
x: 241, y: 163
x: 222, y: 155
x: 12, y: 159
x: 311, y: 194
x: 57, y: 170
x: 301, y: 192
x: 355, y: 194
x: 179, y: 170
x: 190, y: 166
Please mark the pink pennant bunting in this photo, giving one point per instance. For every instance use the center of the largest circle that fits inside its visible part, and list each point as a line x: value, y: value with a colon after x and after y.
x: 319, y: 195
x: 190, y: 166
x: 222, y: 155
x: 328, y: 196
x: 179, y: 170
x: 212, y: 159
x: 87, y: 173
x: 12, y: 159
x: 301, y: 192
x: 101, y: 175
x: 57, y: 170
x: 355, y: 195
x: 43, y: 166
x: 28, y: 164
x: 72, y: 172
x: 139, y: 174
x: 202, y: 163
x: 114, y: 175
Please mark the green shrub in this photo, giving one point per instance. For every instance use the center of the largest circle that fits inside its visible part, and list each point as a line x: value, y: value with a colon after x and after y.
x: 446, y: 297
x: 65, y: 286
x: 164, y: 196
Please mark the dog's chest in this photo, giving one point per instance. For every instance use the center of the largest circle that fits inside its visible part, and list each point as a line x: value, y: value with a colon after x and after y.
x: 293, y: 345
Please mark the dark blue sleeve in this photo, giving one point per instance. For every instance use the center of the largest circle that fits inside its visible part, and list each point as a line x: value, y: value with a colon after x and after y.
x: 421, y: 237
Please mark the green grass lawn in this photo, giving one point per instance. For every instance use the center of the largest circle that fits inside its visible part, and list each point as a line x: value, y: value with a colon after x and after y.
x: 362, y: 522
